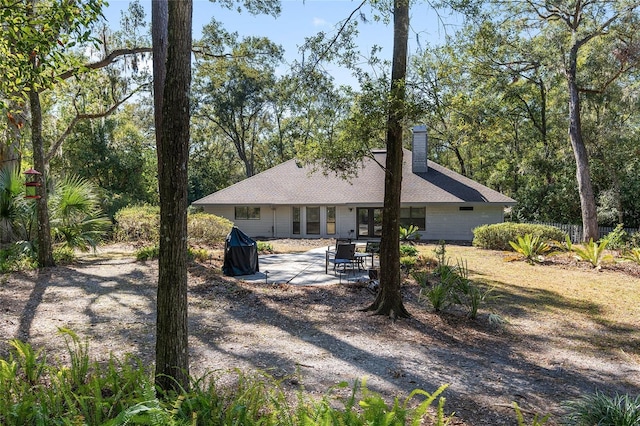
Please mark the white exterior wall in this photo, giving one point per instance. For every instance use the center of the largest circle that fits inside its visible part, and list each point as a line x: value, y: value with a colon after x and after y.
x: 443, y: 222
x: 280, y: 225
x: 448, y: 222
x: 253, y: 227
x: 283, y: 225
x: 345, y: 222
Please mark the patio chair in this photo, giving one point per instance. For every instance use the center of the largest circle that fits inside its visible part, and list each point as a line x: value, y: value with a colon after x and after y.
x: 340, y: 241
x: 344, y: 256
x: 371, y: 250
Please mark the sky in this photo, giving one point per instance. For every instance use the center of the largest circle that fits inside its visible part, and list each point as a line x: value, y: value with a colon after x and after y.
x: 300, y: 19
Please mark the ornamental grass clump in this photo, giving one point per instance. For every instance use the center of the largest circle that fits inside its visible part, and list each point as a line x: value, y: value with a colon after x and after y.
x: 603, y: 410
x: 451, y: 285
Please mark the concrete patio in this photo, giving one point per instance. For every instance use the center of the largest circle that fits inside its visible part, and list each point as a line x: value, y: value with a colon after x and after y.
x: 306, y: 268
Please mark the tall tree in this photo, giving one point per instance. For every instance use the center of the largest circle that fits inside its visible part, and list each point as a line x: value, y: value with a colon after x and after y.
x: 47, y: 29
x: 389, y: 299
x: 236, y: 84
x: 45, y: 251
x: 569, y: 28
x: 172, y: 350
x: 492, y: 111
x: 171, y: 27
x: 39, y: 43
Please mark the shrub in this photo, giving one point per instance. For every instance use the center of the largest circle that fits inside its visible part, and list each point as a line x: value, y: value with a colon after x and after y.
x: 407, y: 263
x: 36, y: 391
x: 454, y: 286
x: 531, y: 248
x: 198, y: 254
x: 633, y: 255
x: 142, y: 223
x: 138, y: 223
x: 152, y: 253
x: 63, y: 255
x: 147, y: 253
x: 593, y: 253
x: 77, y: 221
x: 207, y: 228
x: 439, y: 295
x: 408, y: 250
x: 467, y: 293
x: 617, y: 238
x: 600, y: 409
x: 497, y: 236
x: 264, y: 247
x: 18, y: 257
x: 634, y: 240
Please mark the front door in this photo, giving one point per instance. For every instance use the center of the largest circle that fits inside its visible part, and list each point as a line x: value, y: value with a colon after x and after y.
x: 369, y: 222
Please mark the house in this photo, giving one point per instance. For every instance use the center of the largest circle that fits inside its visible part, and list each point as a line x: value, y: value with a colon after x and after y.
x: 289, y: 201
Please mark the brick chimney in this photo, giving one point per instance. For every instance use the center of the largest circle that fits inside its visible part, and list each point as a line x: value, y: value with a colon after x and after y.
x: 419, y: 149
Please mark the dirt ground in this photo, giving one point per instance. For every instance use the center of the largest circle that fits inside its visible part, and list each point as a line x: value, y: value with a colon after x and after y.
x: 313, y: 337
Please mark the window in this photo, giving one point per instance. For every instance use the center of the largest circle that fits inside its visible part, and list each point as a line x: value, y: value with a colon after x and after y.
x: 313, y: 220
x: 466, y: 208
x: 413, y: 216
x: 331, y: 220
x: 247, y: 213
x: 296, y: 220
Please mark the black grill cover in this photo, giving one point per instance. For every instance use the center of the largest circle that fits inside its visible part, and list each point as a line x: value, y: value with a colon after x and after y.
x: 240, y: 254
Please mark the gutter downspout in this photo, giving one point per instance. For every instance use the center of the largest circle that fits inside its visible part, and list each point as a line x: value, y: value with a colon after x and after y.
x: 274, y: 222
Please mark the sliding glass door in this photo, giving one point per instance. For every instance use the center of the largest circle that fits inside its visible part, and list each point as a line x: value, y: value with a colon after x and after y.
x: 369, y: 222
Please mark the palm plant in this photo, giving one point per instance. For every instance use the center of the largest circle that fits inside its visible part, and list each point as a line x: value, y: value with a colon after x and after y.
x: 593, y: 252
x: 17, y: 215
x: 409, y: 233
x: 531, y: 247
x: 633, y: 255
x: 77, y: 221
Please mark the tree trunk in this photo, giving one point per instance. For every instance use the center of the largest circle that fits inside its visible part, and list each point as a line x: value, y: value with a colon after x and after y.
x: 159, y: 30
x: 172, y: 351
x: 10, y: 151
x: 389, y: 299
x: 463, y: 168
x: 583, y: 174
x: 45, y: 250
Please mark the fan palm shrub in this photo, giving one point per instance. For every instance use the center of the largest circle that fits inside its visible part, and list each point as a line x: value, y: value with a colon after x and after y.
x: 17, y: 215
x: 77, y: 220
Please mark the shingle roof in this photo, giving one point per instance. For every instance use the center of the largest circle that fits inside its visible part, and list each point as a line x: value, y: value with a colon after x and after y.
x: 288, y: 183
